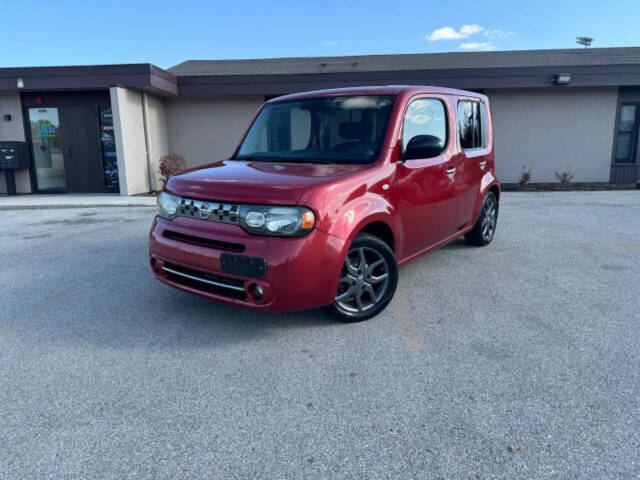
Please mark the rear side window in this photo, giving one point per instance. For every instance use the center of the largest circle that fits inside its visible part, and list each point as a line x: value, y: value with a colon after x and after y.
x: 473, y: 124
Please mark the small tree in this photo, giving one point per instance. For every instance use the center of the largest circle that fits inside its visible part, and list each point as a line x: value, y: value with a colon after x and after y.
x: 171, y: 164
x: 564, y: 177
x: 525, y: 176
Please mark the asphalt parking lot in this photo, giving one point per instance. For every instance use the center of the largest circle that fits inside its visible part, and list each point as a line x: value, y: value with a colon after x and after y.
x: 517, y: 360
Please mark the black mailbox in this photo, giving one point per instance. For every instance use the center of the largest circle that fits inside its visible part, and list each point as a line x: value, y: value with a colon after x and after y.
x: 13, y: 156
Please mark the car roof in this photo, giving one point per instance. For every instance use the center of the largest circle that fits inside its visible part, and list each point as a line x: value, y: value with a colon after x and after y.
x: 407, y: 90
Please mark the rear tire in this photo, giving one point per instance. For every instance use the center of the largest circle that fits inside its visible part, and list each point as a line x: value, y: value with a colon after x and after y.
x: 368, y: 280
x: 485, y: 228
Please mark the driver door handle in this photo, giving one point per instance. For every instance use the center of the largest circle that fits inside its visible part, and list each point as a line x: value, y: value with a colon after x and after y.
x: 451, y: 170
x: 483, y: 163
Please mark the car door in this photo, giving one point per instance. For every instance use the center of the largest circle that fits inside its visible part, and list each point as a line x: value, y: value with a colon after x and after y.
x: 472, y: 158
x: 426, y: 200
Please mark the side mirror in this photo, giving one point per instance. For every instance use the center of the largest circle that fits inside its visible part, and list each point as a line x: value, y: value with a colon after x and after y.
x: 423, y: 146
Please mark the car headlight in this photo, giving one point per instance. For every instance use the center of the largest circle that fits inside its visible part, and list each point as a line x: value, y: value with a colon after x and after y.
x: 277, y: 221
x: 168, y: 205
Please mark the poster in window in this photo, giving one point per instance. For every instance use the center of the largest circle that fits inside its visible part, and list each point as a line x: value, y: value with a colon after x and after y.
x: 109, y: 157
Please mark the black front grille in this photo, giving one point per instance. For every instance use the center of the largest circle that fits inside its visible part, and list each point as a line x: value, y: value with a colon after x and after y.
x: 204, y: 242
x: 212, y: 211
x: 206, y: 282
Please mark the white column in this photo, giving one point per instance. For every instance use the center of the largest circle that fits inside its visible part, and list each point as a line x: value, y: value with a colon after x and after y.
x: 128, y: 123
x: 157, y: 140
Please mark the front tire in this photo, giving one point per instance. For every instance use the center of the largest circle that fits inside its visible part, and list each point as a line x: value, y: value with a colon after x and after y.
x: 485, y: 228
x: 368, y: 280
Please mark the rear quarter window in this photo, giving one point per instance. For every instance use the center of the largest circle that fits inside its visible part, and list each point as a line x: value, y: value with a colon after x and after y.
x: 473, y: 124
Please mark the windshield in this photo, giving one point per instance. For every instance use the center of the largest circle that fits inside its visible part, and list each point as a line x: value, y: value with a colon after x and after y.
x: 324, y: 130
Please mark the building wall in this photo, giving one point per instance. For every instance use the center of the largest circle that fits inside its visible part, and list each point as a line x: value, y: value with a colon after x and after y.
x: 552, y: 129
x: 156, y: 115
x: 542, y: 129
x: 13, y: 130
x: 546, y: 130
x: 128, y: 122
x: 206, y: 129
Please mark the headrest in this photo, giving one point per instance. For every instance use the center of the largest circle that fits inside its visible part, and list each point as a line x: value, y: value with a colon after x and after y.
x: 354, y: 130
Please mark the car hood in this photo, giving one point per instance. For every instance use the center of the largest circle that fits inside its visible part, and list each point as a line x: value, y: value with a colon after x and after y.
x: 255, y: 182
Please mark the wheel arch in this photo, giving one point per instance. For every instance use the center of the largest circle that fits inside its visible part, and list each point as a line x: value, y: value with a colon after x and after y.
x: 372, y: 214
x: 381, y: 230
x: 496, y: 191
x: 381, y: 225
x: 489, y: 184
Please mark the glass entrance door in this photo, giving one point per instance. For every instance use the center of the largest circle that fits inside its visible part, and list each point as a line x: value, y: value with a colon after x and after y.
x: 47, y: 145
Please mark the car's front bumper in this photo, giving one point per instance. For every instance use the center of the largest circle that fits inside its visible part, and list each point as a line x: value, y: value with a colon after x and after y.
x: 301, y: 272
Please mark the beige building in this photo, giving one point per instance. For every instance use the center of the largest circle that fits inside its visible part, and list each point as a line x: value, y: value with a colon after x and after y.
x: 105, y: 128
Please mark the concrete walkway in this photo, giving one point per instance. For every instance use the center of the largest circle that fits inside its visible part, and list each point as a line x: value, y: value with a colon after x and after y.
x: 21, y: 202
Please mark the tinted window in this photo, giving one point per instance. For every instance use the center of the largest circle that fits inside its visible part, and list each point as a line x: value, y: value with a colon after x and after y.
x: 627, y: 133
x: 473, y: 124
x: 347, y: 129
x: 484, y: 124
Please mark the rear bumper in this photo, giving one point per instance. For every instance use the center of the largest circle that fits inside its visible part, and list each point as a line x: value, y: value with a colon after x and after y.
x: 301, y: 272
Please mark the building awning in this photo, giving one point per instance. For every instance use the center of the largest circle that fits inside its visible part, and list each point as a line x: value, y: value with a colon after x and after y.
x: 91, y: 77
x: 590, y: 67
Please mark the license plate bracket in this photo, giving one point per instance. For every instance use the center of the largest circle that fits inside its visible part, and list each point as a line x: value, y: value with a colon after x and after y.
x: 243, y: 265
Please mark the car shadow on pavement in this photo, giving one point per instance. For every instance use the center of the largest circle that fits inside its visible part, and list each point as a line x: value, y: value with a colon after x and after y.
x: 191, y: 321
x: 152, y: 316
x: 188, y: 320
x: 458, y: 243
x: 211, y: 313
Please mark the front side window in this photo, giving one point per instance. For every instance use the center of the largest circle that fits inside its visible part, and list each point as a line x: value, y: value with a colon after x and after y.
x: 346, y: 129
x: 425, y: 116
x: 473, y: 125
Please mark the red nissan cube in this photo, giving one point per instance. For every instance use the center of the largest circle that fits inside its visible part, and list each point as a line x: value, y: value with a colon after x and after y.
x: 327, y: 193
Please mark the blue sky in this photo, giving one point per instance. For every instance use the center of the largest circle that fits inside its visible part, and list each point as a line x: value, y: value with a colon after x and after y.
x: 167, y: 32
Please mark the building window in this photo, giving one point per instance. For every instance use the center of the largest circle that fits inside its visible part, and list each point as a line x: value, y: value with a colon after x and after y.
x: 627, y: 135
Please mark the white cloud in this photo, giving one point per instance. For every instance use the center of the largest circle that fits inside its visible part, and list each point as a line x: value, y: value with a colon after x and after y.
x: 331, y: 43
x: 419, y: 119
x: 449, y: 33
x: 444, y: 33
x: 484, y: 46
x: 468, y: 30
x: 497, y: 33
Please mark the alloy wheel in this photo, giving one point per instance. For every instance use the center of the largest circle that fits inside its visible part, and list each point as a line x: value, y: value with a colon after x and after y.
x: 363, y: 282
x: 489, y: 218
